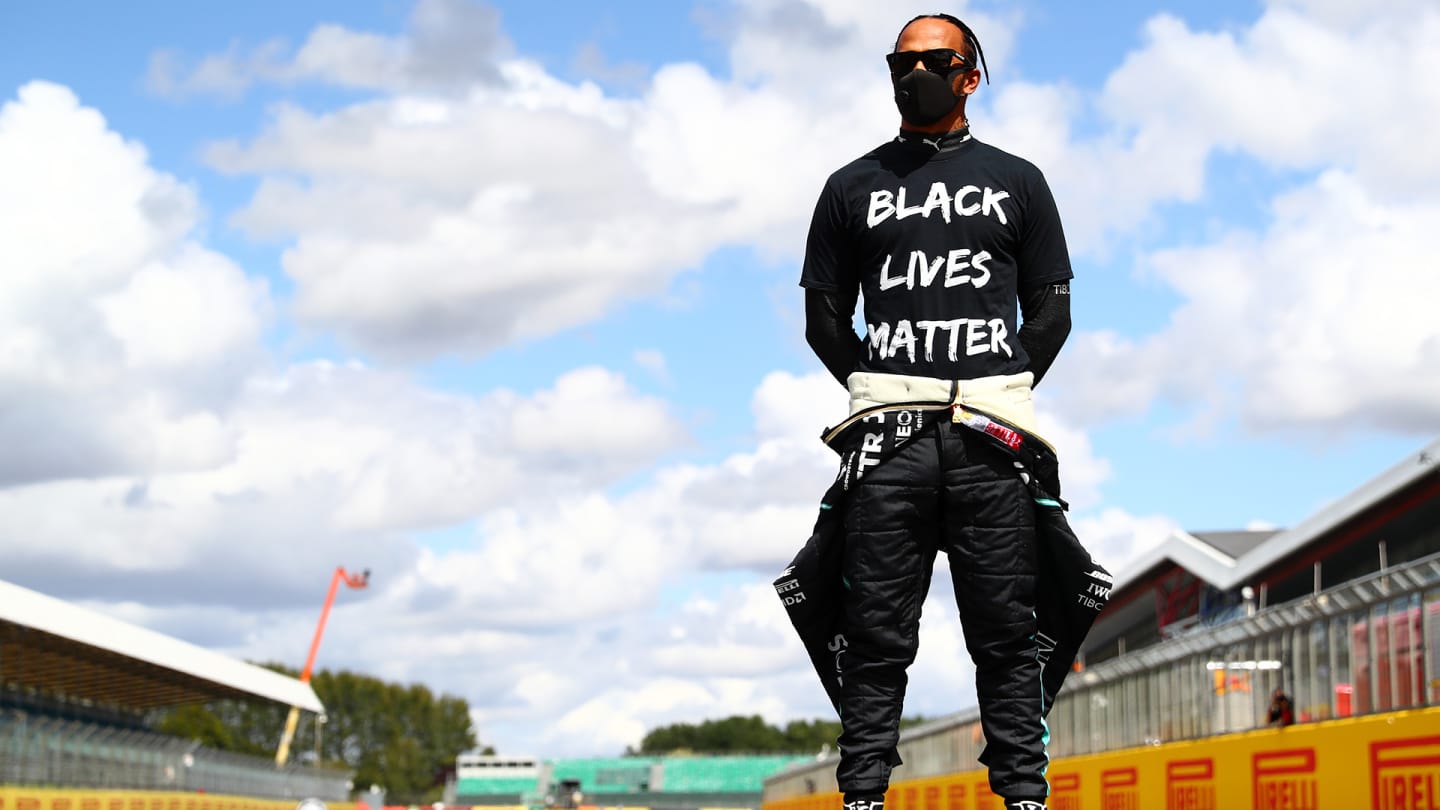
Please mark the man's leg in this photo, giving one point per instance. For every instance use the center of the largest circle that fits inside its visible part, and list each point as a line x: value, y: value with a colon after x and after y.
x: 890, y: 523
x: 989, y: 521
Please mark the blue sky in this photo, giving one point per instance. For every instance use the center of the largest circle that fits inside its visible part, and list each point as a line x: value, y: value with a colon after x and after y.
x: 501, y: 302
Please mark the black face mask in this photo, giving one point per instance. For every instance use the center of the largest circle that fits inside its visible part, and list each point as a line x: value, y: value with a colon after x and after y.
x: 924, y: 97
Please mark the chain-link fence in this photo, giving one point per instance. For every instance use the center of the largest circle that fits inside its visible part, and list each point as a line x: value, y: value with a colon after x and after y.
x: 53, y: 752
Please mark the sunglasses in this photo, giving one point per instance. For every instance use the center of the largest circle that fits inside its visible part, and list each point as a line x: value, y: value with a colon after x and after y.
x: 935, y: 60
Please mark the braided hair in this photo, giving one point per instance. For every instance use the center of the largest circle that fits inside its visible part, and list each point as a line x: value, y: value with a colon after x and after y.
x: 973, y: 51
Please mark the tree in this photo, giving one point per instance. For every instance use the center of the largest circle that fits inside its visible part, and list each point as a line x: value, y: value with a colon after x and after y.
x: 200, y: 724
x: 400, y: 737
x: 737, y: 734
x: 811, y: 735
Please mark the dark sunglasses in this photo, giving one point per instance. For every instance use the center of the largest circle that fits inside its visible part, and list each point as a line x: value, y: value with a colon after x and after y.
x: 935, y: 60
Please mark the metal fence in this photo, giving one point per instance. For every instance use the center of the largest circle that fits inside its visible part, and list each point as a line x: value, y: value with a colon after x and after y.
x: 53, y: 752
x: 1371, y: 645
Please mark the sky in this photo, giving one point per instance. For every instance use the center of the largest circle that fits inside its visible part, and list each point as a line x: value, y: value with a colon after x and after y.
x: 499, y: 301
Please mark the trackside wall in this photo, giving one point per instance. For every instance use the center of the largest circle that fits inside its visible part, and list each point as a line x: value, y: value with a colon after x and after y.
x: 1376, y: 762
x: 24, y: 798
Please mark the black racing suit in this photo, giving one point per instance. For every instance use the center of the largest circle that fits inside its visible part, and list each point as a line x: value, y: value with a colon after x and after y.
x: 941, y: 242
x: 945, y: 491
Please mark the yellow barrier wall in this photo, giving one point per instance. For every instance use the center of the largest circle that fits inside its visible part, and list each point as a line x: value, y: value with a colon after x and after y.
x: 1384, y: 762
x: 20, y: 798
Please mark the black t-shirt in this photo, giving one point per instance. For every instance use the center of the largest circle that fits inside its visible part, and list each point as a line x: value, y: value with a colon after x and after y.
x: 940, y: 244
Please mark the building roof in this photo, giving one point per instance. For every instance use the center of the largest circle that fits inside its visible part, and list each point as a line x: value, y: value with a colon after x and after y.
x: 59, y: 647
x: 1227, y: 559
x: 1235, y: 543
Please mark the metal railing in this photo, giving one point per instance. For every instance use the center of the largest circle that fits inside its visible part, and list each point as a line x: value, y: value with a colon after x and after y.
x: 1369, y: 645
x: 53, y: 752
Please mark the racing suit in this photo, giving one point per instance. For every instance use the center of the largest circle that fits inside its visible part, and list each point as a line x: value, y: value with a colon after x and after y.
x: 1071, y: 587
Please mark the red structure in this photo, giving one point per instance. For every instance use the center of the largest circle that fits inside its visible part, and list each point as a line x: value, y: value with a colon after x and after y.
x: 356, y: 581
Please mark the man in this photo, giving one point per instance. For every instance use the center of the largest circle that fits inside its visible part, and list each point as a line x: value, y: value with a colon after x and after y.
x: 1282, y: 710
x: 943, y: 235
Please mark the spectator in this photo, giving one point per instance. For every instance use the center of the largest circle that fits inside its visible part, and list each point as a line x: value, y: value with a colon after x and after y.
x: 1282, y: 711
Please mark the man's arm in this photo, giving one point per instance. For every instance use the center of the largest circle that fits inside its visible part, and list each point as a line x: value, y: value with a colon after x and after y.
x: 1045, y: 309
x: 829, y: 333
x: 832, y: 284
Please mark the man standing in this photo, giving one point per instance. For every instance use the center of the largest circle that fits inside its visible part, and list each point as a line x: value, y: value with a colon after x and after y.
x: 943, y: 235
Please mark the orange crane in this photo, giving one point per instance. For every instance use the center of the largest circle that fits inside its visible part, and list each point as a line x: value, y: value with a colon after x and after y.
x: 357, y: 581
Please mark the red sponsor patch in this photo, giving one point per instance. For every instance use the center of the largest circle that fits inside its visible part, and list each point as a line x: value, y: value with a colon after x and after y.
x: 1011, y: 438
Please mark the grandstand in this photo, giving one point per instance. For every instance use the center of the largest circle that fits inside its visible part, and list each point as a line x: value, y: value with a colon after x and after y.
x: 1170, y: 711
x: 657, y: 782
x: 77, y: 689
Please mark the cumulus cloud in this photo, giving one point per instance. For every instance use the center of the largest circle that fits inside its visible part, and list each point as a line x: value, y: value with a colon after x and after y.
x: 143, y: 412
x: 330, y: 462
x: 1295, y: 321
x: 1321, y: 320
x: 1115, y: 537
x: 1226, y: 91
x: 122, y: 340
x: 410, y: 256
x: 449, y: 45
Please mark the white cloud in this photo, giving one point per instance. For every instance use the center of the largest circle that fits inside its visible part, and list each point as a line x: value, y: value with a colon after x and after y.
x: 589, y: 418
x: 143, y: 413
x: 1115, y: 538
x: 653, y: 361
x: 1225, y: 91
x: 786, y: 406
x: 183, y: 313
x: 123, y: 339
x: 1322, y: 319
x: 449, y: 45
x: 407, y: 256
x: 1082, y: 473
x: 619, y: 717
x: 1314, y: 316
